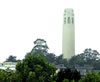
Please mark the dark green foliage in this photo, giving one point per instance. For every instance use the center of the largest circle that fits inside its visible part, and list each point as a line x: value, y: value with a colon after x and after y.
x: 88, y: 57
x: 50, y: 57
x: 68, y: 74
x: 35, y: 69
x: 41, y: 47
x: 6, y: 75
x: 91, y: 77
x: 61, y: 60
x: 65, y: 80
x: 76, y: 75
x: 31, y: 69
x: 11, y: 59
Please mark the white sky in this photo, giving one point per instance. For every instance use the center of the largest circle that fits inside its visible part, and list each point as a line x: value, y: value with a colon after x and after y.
x: 23, y: 21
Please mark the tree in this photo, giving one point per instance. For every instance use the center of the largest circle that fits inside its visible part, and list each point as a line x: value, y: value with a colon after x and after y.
x: 51, y: 57
x: 91, y: 77
x: 69, y: 75
x: 77, y: 60
x: 65, y: 80
x: 35, y: 69
x: 88, y: 57
x: 11, y: 58
x: 6, y: 75
x: 61, y: 60
x: 2, y: 75
x: 40, y: 47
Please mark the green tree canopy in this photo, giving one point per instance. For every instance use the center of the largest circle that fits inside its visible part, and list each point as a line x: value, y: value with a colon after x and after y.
x: 69, y: 75
x: 91, y: 77
x: 35, y: 69
x: 40, y: 47
x: 88, y: 57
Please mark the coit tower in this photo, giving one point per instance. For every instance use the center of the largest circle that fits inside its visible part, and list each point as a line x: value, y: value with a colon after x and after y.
x: 68, y: 41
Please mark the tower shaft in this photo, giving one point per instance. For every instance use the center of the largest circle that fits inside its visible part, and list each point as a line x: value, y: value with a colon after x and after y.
x: 68, y: 43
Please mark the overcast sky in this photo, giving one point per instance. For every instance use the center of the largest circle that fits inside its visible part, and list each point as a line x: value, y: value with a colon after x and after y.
x: 23, y: 21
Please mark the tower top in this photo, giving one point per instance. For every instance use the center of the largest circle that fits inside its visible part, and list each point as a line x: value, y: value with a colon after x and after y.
x: 69, y: 12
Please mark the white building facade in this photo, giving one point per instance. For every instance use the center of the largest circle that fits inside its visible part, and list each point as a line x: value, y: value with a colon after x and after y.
x: 10, y: 65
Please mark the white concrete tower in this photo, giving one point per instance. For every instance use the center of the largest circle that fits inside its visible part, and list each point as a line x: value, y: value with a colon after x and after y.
x: 68, y: 43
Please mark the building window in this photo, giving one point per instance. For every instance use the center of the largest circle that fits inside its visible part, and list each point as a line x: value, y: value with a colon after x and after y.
x: 72, y: 20
x: 68, y: 20
x: 64, y: 20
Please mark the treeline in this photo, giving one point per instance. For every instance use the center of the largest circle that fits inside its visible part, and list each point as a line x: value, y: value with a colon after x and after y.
x: 89, y: 57
x: 37, y: 69
x: 39, y: 66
